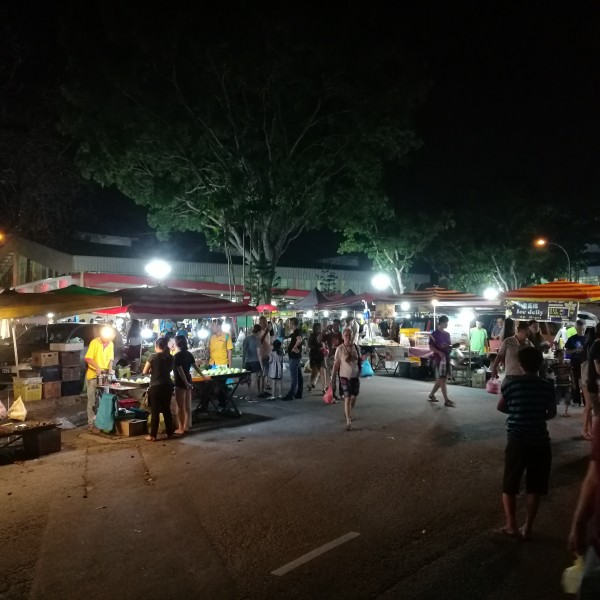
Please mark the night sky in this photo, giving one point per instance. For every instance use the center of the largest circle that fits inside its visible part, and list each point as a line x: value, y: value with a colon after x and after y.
x: 512, y: 106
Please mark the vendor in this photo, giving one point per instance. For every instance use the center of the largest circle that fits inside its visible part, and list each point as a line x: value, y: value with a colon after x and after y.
x: 479, y: 339
x: 220, y: 345
x: 99, y: 357
x: 497, y: 329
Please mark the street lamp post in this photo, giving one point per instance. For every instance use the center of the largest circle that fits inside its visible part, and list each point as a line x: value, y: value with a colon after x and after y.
x: 542, y: 242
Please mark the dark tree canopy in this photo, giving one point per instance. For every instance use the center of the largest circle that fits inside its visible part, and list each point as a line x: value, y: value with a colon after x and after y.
x: 251, y: 136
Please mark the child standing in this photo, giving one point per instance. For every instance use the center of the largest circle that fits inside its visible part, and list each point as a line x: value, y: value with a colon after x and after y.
x: 562, y: 380
x: 529, y: 402
x: 276, y: 368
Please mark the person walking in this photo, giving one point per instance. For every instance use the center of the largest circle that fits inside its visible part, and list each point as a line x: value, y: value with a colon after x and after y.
x: 440, y: 344
x: 265, y: 350
x: 251, y: 357
x: 295, y: 359
x: 160, y: 365
x: 586, y: 512
x: 276, y: 368
x: 508, y: 355
x: 99, y: 357
x: 575, y: 349
x: 316, y: 358
x: 529, y: 402
x: 347, y: 365
x: 183, y: 362
x: 333, y: 339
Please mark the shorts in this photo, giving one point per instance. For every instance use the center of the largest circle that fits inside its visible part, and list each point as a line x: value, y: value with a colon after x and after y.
x: 253, y: 367
x: 534, y: 460
x: 440, y: 370
x: 265, y: 367
x: 317, y: 362
x: 563, y: 392
x: 349, y: 387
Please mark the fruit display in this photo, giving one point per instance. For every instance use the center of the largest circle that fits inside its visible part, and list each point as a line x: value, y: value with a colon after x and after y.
x: 222, y: 371
x: 137, y: 380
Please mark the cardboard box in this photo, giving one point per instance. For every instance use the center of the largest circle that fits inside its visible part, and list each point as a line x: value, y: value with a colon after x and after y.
x: 67, y: 347
x: 44, y: 359
x: 71, y: 373
x: 132, y: 427
x: 52, y: 389
x: 70, y: 359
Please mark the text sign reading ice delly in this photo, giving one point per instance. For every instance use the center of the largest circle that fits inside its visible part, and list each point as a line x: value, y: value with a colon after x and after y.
x: 525, y: 311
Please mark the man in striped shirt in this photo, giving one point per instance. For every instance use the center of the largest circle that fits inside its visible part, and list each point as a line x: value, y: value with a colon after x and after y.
x: 529, y: 402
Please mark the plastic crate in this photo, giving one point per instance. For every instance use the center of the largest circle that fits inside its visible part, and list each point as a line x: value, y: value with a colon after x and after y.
x: 28, y: 392
x: 71, y: 373
x: 71, y: 388
x: 34, y: 378
x: 44, y: 359
x: 50, y: 373
x: 70, y: 359
x: 51, y: 389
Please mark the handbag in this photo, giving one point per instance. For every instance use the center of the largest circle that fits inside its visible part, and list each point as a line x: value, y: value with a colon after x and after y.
x: 325, y: 350
x: 366, y: 369
x: 493, y: 386
x: 328, y: 396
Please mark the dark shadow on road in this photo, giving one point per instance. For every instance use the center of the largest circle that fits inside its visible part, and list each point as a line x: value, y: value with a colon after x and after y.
x: 210, y: 422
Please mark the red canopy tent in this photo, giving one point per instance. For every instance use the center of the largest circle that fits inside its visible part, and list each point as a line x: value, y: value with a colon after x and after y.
x: 557, y: 291
x: 163, y: 302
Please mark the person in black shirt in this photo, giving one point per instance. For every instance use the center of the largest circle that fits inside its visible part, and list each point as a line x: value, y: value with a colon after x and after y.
x: 591, y: 389
x: 159, y: 366
x: 183, y: 361
x: 575, y: 350
x: 295, y: 357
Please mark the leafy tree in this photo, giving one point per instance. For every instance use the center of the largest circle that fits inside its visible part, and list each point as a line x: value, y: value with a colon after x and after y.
x: 394, y: 242
x: 328, y: 281
x: 258, y: 135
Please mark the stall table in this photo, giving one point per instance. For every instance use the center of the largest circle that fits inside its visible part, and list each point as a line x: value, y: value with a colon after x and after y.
x: 35, y: 435
x: 197, y: 382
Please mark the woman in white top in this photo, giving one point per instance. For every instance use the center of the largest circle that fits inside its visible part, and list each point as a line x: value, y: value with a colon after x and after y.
x: 347, y: 364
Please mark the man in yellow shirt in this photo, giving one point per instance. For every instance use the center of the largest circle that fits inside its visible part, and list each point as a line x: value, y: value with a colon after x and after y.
x: 99, y: 357
x: 220, y: 345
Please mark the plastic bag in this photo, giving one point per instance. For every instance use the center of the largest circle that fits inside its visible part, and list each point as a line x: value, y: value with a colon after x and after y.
x: 571, y: 577
x: 3, y: 412
x: 17, y: 412
x: 493, y: 386
x: 328, y: 396
x: 366, y: 370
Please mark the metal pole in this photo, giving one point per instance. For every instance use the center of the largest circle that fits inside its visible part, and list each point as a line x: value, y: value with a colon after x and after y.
x: 566, y: 254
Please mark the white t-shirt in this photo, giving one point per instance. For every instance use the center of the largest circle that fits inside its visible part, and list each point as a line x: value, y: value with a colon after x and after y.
x: 348, y: 369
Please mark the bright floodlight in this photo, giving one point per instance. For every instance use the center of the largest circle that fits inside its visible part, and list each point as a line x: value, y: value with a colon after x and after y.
x: 309, y: 313
x: 541, y: 242
x: 405, y: 305
x: 158, y: 269
x: 325, y: 313
x: 50, y: 315
x: 226, y: 327
x: 490, y: 293
x: 344, y: 314
x: 381, y: 281
x: 147, y: 333
x: 434, y: 302
x: 407, y: 316
x: 203, y: 334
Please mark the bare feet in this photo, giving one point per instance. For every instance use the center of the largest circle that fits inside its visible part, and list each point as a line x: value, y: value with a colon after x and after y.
x: 586, y: 435
x: 149, y: 438
x: 179, y: 431
x: 513, y: 533
x: 348, y: 426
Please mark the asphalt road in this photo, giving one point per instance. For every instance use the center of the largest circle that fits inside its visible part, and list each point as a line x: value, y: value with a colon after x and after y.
x: 214, y: 514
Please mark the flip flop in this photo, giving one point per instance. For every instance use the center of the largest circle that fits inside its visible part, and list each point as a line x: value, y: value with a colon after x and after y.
x: 432, y: 398
x: 516, y: 535
x: 449, y: 403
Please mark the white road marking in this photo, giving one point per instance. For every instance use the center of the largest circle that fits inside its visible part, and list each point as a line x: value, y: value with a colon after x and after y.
x: 314, y: 553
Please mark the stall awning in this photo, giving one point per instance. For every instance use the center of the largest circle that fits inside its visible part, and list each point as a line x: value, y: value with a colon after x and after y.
x: 356, y: 301
x: 20, y: 306
x: 558, y: 291
x: 314, y: 299
x: 163, y: 302
x: 440, y: 295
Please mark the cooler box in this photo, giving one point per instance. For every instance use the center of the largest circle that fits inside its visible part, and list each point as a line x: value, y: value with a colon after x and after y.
x: 41, y: 442
x: 44, y: 359
x: 128, y: 403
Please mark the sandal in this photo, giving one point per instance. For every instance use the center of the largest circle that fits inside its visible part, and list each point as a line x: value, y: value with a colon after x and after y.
x: 432, y: 398
x: 449, y: 403
x: 526, y: 535
x: 512, y: 534
x: 149, y: 438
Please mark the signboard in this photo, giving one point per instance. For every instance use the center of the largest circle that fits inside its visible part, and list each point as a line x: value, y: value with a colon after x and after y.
x: 557, y: 312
